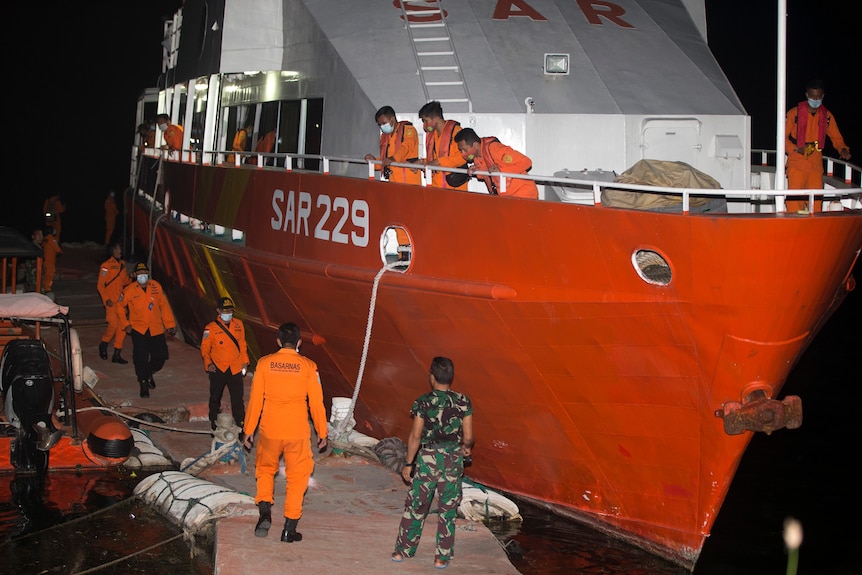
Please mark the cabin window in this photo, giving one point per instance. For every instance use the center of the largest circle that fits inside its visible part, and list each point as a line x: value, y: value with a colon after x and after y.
x: 396, y: 246
x: 652, y: 267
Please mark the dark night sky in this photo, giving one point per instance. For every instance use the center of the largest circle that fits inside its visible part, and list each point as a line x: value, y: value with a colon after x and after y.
x: 85, y: 70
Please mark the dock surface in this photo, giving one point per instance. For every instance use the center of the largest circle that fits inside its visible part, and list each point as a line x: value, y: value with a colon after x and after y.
x: 353, y: 504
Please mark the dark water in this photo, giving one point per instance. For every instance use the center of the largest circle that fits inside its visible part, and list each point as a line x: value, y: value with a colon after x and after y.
x: 80, y: 523
x: 807, y: 473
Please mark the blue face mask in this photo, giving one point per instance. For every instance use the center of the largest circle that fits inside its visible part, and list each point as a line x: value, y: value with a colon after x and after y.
x: 387, y: 128
x: 226, y: 317
x: 143, y: 278
x: 814, y: 103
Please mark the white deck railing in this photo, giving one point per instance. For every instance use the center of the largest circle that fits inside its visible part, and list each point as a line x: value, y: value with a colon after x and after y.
x: 848, y: 195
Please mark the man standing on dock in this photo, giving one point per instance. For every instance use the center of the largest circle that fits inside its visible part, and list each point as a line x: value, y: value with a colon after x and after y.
x: 285, y: 387
x: 150, y: 316
x: 440, y: 439
x: 225, y: 354
x: 113, y: 279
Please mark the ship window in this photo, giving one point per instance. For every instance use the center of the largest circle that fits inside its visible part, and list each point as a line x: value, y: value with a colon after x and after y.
x: 396, y: 246
x: 652, y: 267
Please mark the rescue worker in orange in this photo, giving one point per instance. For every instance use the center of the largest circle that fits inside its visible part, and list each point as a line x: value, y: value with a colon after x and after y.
x: 148, y: 136
x: 489, y: 155
x: 149, y: 318
x: 113, y: 279
x: 286, y: 386
x: 172, y: 134
x: 111, y: 213
x: 50, y: 249
x: 398, y: 143
x: 807, y: 126
x: 225, y: 354
x: 240, y: 142
x: 264, y: 145
x: 52, y: 208
x: 440, y: 146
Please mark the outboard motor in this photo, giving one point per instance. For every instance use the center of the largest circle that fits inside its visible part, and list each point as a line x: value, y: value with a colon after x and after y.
x: 27, y: 386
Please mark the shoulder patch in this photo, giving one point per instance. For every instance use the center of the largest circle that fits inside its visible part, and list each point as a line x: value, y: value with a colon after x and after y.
x: 104, y: 271
x: 206, y: 333
x: 507, y: 158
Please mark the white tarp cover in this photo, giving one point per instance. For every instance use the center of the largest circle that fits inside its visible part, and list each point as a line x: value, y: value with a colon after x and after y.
x: 30, y: 305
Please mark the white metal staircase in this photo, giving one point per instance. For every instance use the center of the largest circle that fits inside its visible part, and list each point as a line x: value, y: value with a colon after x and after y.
x: 436, y: 60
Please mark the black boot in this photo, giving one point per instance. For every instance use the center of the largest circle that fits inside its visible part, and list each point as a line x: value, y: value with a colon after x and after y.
x: 103, y: 349
x: 265, y: 521
x: 145, y: 387
x: 151, y: 383
x: 117, y: 358
x: 290, y: 534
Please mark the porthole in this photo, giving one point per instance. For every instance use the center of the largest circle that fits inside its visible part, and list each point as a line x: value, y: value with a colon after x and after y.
x: 652, y: 267
x: 396, y: 247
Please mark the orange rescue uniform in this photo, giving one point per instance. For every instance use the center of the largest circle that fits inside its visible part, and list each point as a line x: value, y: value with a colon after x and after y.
x: 55, y: 207
x: 510, y: 161
x: 218, y: 349
x: 400, y: 146
x: 148, y: 309
x: 805, y: 170
x: 173, y: 136
x: 443, y: 148
x: 113, y: 278
x: 285, y: 387
x: 50, y: 249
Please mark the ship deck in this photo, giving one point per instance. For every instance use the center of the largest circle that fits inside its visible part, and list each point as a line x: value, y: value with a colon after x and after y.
x: 352, y: 507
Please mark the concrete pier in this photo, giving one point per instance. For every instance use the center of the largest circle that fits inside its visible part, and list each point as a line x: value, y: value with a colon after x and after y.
x: 352, y: 506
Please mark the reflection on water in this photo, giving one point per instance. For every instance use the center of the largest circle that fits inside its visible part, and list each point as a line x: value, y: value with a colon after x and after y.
x: 72, y: 523
x: 546, y: 544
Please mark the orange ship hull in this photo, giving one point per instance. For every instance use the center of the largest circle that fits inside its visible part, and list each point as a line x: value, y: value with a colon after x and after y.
x: 596, y: 392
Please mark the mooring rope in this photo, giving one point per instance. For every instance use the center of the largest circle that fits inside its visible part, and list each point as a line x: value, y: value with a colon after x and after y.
x: 129, y: 556
x: 69, y: 522
x: 341, y: 432
x: 145, y: 422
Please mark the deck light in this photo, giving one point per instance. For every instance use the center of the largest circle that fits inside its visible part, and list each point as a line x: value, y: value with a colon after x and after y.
x: 556, y: 64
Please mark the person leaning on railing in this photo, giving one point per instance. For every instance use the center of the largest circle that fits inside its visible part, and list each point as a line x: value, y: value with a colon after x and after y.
x: 808, y: 124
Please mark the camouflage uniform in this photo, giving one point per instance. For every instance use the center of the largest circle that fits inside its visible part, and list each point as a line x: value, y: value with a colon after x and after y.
x: 439, y: 468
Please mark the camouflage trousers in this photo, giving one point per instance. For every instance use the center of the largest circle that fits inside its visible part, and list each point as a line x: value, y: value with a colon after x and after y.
x: 438, y: 471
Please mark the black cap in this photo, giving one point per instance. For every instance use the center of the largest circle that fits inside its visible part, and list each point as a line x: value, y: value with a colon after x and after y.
x: 225, y: 303
x: 141, y: 267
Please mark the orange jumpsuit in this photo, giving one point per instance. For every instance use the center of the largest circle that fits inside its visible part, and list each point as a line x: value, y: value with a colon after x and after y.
x: 509, y: 161
x: 240, y: 141
x: 174, y: 137
x: 149, y: 315
x: 401, y: 145
x: 148, y: 309
x: 441, y: 146
x: 111, y: 213
x: 113, y: 278
x: 282, y: 384
x: 805, y: 172
x: 56, y: 207
x: 50, y: 249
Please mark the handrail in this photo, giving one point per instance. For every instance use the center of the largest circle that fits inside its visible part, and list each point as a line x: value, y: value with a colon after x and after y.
x: 852, y: 175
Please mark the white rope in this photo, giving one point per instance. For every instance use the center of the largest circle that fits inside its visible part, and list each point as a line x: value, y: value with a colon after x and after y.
x: 341, y: 430
x: 144, y: 421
